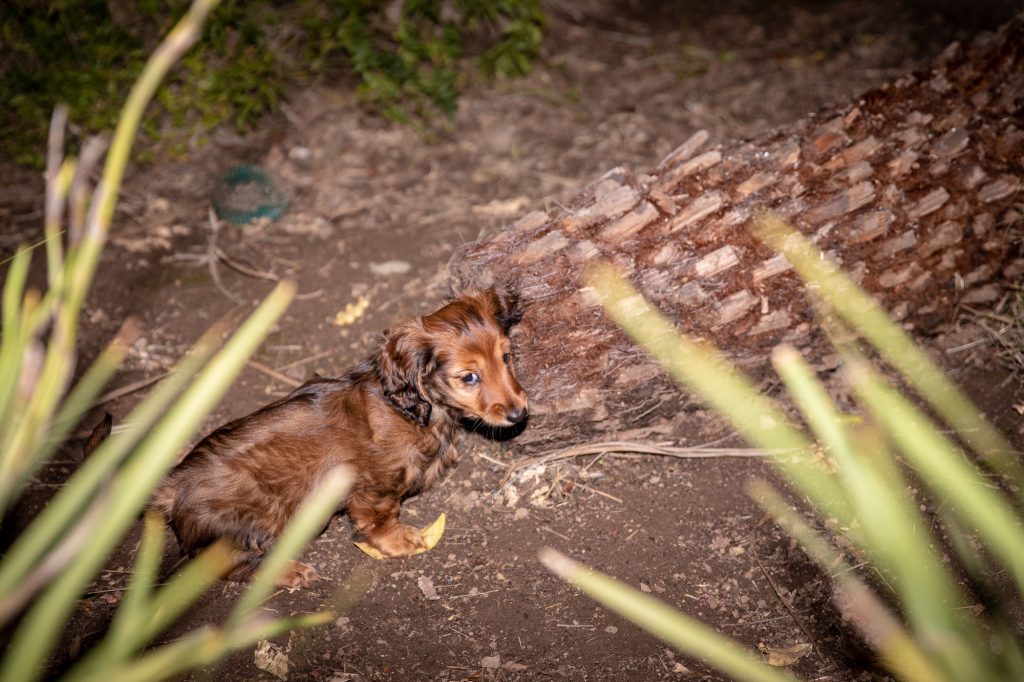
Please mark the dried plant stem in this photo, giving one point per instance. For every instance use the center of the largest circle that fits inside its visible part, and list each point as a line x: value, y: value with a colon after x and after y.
x: 603, y: 447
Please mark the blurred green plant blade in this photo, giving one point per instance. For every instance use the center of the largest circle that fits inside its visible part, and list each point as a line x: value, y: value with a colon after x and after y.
x: 132, y: 608
x: 202, y: 647
x: 699, y: 367
x: 132, y: 486
x: 37, y: 396
x: 81, y: 397
x: 183, y: 589
x: 814, y: 403
x: 137, y: 624
x: 196, y: 648
x: 62, y: 510
x: 945, y: 470
x: 880, y: 627
x: 893, y: 528
x: 308, y: 520
x: 12, y: 346
x: 132, y: 611
x: 984, y: 575
x: 85, y: 391
x: 58, y: 183
x: 885, y: 634
x: 865, y: 315
x: 671, y: 626
x: 19, y: 441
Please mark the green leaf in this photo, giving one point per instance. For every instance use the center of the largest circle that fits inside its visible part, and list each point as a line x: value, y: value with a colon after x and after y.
x: 683, y: 633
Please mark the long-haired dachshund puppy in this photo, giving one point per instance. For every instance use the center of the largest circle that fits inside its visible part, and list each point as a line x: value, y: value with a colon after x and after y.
x: 391, y: 420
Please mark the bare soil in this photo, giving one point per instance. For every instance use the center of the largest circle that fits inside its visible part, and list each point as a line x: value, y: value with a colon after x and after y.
x: 376, y: 210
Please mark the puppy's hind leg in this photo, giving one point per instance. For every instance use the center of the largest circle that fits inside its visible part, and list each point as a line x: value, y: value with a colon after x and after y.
x: 247, y: 561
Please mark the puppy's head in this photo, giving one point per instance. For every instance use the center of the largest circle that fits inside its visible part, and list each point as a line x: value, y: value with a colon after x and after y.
x: 459, y: 359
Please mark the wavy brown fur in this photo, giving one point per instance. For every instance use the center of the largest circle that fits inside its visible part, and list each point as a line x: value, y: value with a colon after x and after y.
x: 391, y: 419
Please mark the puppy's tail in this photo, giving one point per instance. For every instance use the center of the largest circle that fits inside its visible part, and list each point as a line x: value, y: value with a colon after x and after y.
x: 165, y: 496
x: 99, y: 434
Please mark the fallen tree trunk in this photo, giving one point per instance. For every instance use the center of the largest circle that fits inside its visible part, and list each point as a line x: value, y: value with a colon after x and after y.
x: 915, y: 188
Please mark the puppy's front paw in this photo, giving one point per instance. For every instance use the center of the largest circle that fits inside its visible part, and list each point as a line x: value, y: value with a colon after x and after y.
x: 297, y: 574
x: 399, y: 540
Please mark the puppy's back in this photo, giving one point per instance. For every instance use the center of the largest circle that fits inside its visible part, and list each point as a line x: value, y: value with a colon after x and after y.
x: 246, y: 479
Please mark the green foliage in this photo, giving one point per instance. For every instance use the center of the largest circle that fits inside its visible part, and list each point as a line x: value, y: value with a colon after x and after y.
x: 51, y: 563
x: 857, y: 472
x: 409, y: 58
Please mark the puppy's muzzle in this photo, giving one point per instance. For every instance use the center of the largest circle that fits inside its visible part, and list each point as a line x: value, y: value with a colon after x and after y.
x: 516, y: 416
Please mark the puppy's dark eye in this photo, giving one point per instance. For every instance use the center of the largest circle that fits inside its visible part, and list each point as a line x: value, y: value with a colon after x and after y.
x: 506, y: 358
x: 471, y: 379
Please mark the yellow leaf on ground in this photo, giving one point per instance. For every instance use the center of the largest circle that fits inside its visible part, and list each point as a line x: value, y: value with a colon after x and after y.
x: 786, y: 655
x: 431, y: 535
x: 352, y: 312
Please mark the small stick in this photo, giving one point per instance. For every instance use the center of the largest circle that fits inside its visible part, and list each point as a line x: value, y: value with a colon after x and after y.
x: 775, y: 589
x: 496, y: 462
x: 113, y: 395
x: 274, y: 374
x: 594, y: 461
x: 555, y: 532
x: 242, y: 268
x: 211, y: 259
x: 309, y: 295
x: 599, y: 492
x: 303, y: 361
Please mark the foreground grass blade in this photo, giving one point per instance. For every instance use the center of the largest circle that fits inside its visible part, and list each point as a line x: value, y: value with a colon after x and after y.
x: 309, y: 520
x: 814, y: 403
x: 131, y: 630
x: 13, y: 345
x: 76, y: 281
x: 893, y: 531
x: 183, y: 589
x: 61, y: 512
x: 153, y: 457
x: 945, y: 470
x: 202, y: 647
x: 699, y: 367
x: 132, y: 611
x: 868, y: 318
x: 85, y: 391
x: 81, y: 397
x: 879, y: 626
x: 678, y: 630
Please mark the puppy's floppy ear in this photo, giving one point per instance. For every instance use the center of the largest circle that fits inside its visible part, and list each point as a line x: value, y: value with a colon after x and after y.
x: 405, y: 357
x: 506, y: 306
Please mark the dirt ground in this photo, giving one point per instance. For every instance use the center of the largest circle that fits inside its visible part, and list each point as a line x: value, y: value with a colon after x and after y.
x: 376, y: 210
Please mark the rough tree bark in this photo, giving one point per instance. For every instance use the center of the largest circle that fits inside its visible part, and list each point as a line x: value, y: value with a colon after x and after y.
x: 915, y: 188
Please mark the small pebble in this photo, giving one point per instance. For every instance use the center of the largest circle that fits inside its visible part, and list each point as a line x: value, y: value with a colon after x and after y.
x: 390, y: 267
x: 302, y: 154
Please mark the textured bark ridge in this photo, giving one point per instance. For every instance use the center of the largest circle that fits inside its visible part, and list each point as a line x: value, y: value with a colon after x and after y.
x: 915, y: 188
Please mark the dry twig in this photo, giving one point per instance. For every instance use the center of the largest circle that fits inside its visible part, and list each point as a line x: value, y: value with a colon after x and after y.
x: 1004, y: 325
x: 603, y: 447
x: 274, y: 374
x: 775, y: 588
x: 121, y: 392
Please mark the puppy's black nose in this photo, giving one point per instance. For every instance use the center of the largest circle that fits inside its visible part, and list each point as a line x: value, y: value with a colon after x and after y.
x: 516, y: 416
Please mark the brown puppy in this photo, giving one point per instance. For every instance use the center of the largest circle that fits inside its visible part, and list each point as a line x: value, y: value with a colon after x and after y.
x: 391, y: 420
